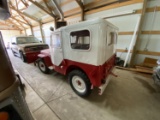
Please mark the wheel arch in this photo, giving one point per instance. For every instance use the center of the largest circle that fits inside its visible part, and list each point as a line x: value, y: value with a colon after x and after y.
x: 74, y: 67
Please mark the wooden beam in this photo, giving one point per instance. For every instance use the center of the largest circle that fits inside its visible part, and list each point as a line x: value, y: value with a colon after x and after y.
x: 49, y: 8
x: 151, y: 32
x: 142, y: 32
x: 31, y: 28
x: 152, y: 53
x: 19, y: 20
x: 72, y: 12
x: 79, y: 2
x: 66, y: 2
x: 42, y: 8
x: 16, y: 4
x: 42, y: 33
x: 27, y: 22
x: 25, y: 14
x: 25, y: 3
x: 9, y: 29
x: 122, y: 50
x: 116, y: 5
x: 3, y: 23
x: 99, y: 3
x: 14, y: 24
x: 126, y: 33
x: 19, y: 23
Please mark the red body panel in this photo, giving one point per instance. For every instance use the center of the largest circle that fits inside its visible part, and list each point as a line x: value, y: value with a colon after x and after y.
x: 31, y: 57
x: 95, y: 73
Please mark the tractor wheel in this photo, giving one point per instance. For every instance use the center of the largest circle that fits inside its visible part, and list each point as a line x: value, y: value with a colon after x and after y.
x: 80, y: 83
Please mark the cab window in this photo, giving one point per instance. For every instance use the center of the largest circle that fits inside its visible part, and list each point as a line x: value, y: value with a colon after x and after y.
x: 80, y: 40
x: 56, y: 40
x: 112, y: 38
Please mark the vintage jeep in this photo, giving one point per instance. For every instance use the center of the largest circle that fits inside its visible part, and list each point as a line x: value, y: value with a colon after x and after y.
x: 85, y: 52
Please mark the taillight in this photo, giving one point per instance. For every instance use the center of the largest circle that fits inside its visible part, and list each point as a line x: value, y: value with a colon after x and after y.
x: 27, y: 49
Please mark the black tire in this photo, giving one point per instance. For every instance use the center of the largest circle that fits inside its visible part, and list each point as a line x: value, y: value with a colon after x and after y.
x: 43, y: 67
x: 22, y: 56
x: 82, y: 78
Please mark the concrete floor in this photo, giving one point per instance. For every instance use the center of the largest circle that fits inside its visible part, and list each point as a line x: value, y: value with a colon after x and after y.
x: 130, y: 96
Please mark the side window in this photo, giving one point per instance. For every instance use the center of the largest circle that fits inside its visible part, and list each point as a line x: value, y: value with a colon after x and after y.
x: 112, y: 38
x: 56, y: 40
x: 80, y: 40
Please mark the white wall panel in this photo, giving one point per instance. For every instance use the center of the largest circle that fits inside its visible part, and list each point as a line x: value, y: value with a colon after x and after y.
x: 147, y: 25
x: 140, y: 58
x: 8, y: 34
x: 28, y: 31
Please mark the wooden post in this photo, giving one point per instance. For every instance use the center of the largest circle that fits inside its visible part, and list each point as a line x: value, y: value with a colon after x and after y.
x: 32, y: 30
x: 42, y: 33
x: 139, y: 32
x: 25, y: 32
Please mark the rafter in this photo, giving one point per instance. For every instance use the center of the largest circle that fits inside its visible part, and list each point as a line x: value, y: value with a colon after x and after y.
x: 16, y: 4
x: 25, y: 3
x: 25, y: 14
x: 19, y: 23
x: 19, y: 20
x: 49, y: 8
x: 21, y: 15
x: 42, y: 8
x: 9, y: 21
x: 2, y: 23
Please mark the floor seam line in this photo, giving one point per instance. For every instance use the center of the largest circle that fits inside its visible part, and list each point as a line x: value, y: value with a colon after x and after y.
x: 38, y: 95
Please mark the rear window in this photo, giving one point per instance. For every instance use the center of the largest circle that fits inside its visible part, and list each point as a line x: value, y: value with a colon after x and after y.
x: 80, y: 39
x: 25, y: 40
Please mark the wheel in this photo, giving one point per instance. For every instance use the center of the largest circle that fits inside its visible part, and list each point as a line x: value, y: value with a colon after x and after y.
x: 22, y: 56
x: 80, y: 83
x: 42, y: 66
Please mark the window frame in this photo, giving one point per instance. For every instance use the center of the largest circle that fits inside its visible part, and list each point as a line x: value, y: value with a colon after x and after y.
x: 89, y: 40
x: 114, y: 38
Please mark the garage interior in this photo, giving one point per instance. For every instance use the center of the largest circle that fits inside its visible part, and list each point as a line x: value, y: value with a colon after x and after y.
x: 133, y: 94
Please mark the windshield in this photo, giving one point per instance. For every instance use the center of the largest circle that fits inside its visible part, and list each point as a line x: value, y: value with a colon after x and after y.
x: 25, y: 40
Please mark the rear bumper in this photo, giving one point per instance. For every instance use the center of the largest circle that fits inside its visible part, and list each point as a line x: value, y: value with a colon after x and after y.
x: 107, y: 80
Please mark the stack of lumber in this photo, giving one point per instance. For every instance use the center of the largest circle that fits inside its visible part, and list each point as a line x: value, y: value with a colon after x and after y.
x: 145, y: 67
